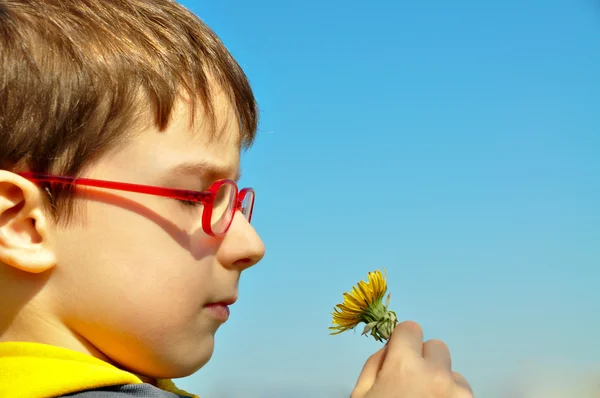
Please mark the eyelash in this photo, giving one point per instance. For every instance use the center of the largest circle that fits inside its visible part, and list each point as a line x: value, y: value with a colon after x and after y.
x: 189, y: 203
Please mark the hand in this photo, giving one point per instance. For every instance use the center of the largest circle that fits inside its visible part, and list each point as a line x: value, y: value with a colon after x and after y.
x: 407, y: 368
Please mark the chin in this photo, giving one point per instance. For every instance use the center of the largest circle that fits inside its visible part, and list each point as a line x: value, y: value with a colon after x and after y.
x: 185, y: 362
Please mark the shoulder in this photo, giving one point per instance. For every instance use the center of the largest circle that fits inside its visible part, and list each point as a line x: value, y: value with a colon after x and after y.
x: 124, y: 391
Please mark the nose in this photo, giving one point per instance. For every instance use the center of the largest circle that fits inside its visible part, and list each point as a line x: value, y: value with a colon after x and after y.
x: 241, y: 247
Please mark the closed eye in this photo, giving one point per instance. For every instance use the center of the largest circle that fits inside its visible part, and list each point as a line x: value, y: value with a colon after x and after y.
x: 189, y: 203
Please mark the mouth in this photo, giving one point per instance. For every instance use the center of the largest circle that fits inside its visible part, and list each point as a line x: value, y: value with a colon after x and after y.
x: 220, y: 309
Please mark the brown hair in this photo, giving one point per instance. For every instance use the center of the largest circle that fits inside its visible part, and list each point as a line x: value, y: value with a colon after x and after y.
x: 76, y: 75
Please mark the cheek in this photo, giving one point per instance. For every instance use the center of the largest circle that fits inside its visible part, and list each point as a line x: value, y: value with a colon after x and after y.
x: 136, y: 267
x: 134, y: 292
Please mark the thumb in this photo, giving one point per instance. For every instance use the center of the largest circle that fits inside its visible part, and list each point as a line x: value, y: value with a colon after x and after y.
x: 367, y: 376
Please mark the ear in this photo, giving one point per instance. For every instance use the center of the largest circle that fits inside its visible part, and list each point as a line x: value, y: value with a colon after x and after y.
x: 25, y: 240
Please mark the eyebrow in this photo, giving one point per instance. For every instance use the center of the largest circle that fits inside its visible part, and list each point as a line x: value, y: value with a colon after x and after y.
x: 205, y: 169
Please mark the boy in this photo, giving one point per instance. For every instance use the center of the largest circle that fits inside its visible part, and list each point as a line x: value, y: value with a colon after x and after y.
x: 123, y: 234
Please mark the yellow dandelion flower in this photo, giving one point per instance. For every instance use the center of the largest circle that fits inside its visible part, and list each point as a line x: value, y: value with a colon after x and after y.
x: 364, y: 304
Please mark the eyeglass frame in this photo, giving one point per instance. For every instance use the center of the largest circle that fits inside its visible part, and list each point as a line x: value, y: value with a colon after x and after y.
x: 206, y: 198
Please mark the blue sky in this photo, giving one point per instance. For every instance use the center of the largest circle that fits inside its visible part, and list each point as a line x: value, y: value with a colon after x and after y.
x: 456, y: 144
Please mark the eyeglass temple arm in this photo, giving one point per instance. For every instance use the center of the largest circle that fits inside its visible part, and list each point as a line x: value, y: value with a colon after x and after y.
x: 121, y: 186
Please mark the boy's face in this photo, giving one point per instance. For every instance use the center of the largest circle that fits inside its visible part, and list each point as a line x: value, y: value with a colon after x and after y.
x: 133, y: 279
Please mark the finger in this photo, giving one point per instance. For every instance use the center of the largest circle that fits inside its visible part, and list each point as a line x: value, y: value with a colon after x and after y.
x: 437, y: 354
x: 462, y: 382
x: 369, y: 373
x: 406, y: 342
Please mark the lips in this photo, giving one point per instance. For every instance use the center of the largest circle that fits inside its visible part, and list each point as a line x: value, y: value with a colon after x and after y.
x: 220, y: 309
x: 226, y: 301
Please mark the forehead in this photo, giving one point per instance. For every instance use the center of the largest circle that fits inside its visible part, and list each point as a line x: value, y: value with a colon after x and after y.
x: 192, y: 144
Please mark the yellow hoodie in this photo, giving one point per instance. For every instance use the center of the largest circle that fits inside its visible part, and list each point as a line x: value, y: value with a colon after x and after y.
x: 32, y: 370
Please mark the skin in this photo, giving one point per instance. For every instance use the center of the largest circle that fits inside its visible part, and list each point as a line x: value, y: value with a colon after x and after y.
x: 129, y: 281
x: 408, y: 368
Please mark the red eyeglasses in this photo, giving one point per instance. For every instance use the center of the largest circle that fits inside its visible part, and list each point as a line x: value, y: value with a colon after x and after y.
x: 220, y: 201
